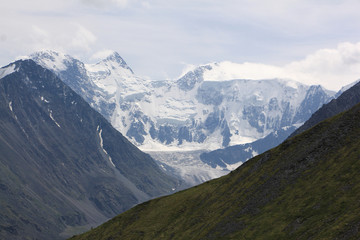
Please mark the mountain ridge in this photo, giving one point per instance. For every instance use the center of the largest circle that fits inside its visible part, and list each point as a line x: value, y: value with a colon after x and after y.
x: 173, y: 126
x: 189, y: 114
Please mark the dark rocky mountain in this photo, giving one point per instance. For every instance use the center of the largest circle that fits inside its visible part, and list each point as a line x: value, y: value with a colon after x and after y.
x: 344, y: 102
x: 74, y: 74
x: 63, y: 167
x: 306, y: 188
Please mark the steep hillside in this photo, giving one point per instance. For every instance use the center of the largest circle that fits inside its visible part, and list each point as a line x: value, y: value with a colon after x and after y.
x: 306, y: 188
x: 63, y: 167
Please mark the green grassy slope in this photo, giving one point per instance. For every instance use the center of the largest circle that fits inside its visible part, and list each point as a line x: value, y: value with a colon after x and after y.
x: 306, y: 188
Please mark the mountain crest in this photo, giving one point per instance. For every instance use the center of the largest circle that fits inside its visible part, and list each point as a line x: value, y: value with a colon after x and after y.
x: 190, y: 79
x: 50, y: 54
x: 52, y: 60
x: 115, y: 57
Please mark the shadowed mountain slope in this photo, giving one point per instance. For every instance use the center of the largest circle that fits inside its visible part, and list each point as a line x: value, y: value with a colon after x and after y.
x: 306, y: 188
x: 243, y: 152
x: 63, y: 167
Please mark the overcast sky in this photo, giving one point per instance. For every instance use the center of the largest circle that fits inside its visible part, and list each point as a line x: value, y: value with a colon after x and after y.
x: 313, y: 41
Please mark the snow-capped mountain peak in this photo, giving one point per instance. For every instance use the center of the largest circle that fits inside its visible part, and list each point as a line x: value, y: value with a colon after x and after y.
x: 112, y: 75
x: 114, y: 60
x: 190, y: 79
x: 52, y: 60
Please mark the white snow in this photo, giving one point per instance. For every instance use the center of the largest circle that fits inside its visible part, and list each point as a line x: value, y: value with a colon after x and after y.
x: 10, y: 106
x: 254, y: 153
x: 229, y: 167
x: 52, y: 60
x: 102, y: 145
x: 7, y: 70
x: 52, y: 118
x: 111, y: 77
x: 171, y: 105
x: 162, y: 166
x: 343, y: 89
x: 234, y: 166
x: 11, y: 109
x: 188, y: 166
x: 43, y: 99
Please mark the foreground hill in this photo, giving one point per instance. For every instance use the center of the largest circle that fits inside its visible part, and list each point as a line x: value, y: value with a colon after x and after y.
x: 62, y: 165
x: 306, y: 188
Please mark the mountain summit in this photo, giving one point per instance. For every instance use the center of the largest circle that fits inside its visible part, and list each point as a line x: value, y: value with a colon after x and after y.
x: 116, y: 58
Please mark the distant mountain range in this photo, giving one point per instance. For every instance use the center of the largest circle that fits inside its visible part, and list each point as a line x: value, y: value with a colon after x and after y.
x: 193, y: 114
x: 63, y: 167
x: 306, y: 188
x: 189, y: 113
